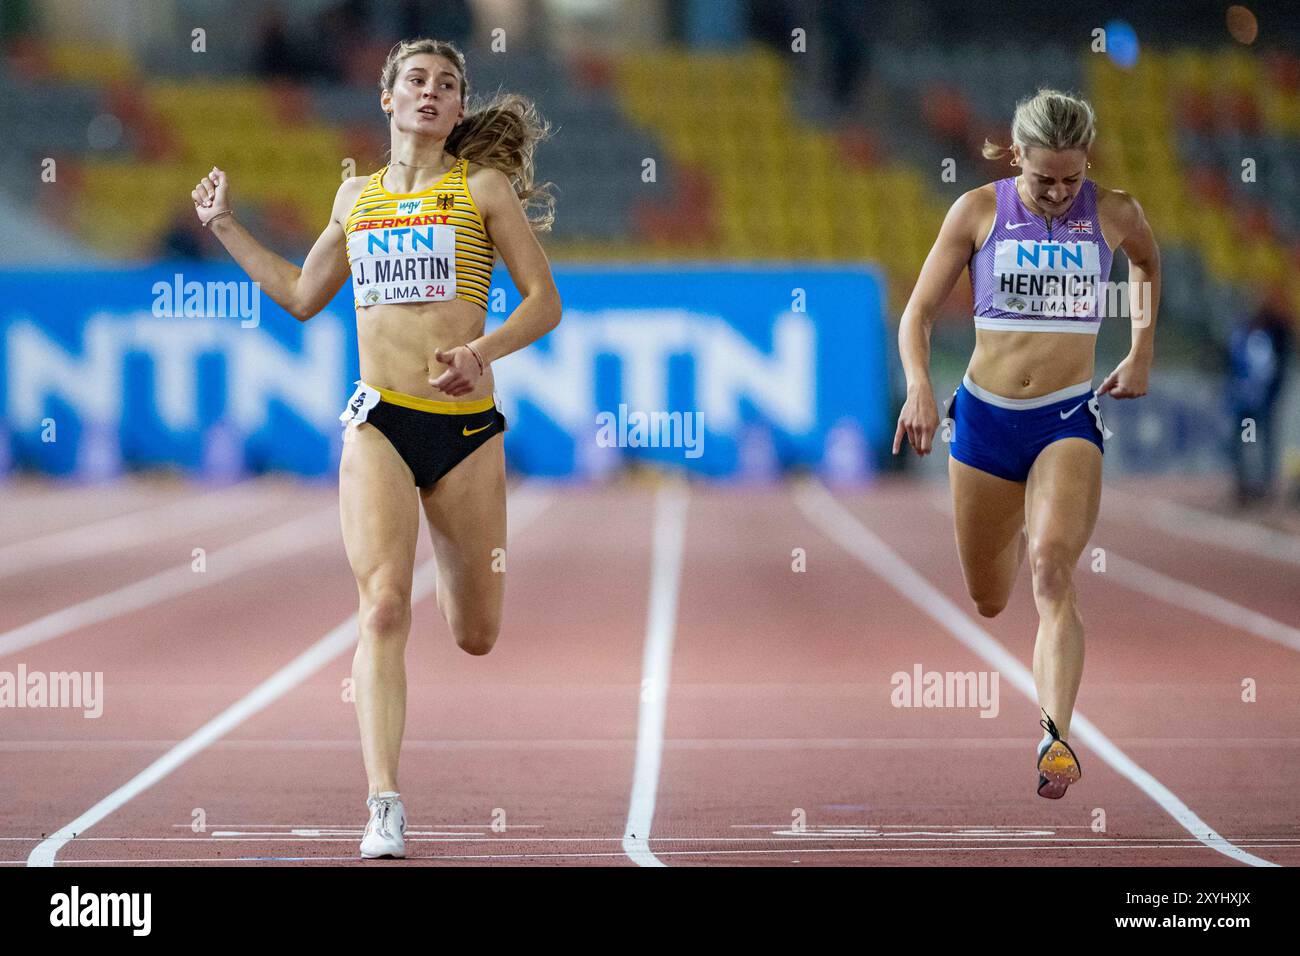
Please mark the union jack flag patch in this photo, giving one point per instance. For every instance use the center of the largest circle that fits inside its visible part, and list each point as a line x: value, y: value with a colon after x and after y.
x: 1079, y: 225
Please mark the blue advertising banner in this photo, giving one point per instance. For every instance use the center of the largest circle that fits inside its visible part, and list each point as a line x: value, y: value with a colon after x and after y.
x: 726, y: 372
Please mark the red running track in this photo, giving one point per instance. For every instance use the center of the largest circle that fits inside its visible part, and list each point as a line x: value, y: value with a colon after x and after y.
x: 780, y: 744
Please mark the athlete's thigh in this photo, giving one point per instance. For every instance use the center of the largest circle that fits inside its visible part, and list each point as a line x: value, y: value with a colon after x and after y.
x: 988, y: 517
x: 1062, y: 496
x: 466, y: 511
x: 379, y: 508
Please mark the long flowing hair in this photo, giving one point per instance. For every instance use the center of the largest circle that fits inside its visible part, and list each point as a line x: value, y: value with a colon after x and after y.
x: 502, y: 132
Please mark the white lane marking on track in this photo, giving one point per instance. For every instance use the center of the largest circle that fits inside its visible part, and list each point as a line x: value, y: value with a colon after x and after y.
x: 1139, y: 577
x: 342, y: 637
x: 741, y: 743
x: 1207, y: 527
x: 844, y: 527
x: 351, y: 826
x: 265, y: 547
x: 612, y: 854
x: 776, y: 836
x: 136, y: 528
x: 1187, y: 596
x: 27, y: 503
x: 656, y: 667
x: 467, y: 830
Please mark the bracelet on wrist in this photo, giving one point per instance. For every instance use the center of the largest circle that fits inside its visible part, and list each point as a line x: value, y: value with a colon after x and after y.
x: 478, y: 358
x: 220, y: 215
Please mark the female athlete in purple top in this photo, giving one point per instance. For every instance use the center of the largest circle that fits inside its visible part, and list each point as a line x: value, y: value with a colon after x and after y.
x: 1025, y: 457
x: 1037, y: 273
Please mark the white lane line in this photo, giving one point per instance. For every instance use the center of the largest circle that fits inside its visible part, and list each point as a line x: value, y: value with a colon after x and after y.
x: 25, y: 502
x: 701, y: 743
x: 349, y: 827
x: 525, y: 505
x: 266, y: 547
x: 656, y: 668
x: 793, y: 842
x: 1207, y: 527
x: 1189, y: 597
x: 614, y: 854
x: 136, y: 528
x: 1181, y: 594
x: 843, y: 527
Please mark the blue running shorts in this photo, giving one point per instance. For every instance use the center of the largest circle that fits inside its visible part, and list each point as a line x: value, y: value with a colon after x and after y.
x: 1003, y: 436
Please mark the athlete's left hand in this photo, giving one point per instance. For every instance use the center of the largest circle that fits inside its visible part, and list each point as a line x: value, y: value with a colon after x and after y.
x: 462, y: 375
x: 1129, y: 380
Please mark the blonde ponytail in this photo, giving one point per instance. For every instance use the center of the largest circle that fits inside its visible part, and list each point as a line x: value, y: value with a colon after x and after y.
x: 1049, y: 119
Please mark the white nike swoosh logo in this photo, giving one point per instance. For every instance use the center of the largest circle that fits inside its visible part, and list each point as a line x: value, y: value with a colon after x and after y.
x: 1072, y: 411
x: 1015, y: 225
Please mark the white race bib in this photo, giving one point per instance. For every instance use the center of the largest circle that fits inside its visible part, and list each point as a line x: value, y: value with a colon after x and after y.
x: 405, y: 259
x: 1046, y: 278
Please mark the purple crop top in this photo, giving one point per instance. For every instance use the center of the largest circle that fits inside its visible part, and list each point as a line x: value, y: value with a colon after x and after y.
x: 1041, y: 275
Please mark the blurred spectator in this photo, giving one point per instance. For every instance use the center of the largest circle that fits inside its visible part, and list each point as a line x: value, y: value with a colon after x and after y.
x: 276, y: 52
x: 407, y: 19
x: 185, y: 239
x: 444, y: 19
x: 15, y: 19
x: 1258, y: 353
x: 846, y: 26
x: 285, y: 52
x: 770, y: 22
x: 343, y: 30
x: 837, y: 35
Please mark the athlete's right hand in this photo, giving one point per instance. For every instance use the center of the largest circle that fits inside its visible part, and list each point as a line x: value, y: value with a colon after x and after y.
x: 211, y: 196
x: 918, y: 420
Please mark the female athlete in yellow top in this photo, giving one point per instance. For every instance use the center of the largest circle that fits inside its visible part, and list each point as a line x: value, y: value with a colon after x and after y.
x: 1025, y: 458
x: 418, y: 240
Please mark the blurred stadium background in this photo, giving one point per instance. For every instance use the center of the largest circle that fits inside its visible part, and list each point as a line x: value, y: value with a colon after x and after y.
x: 799, y: 152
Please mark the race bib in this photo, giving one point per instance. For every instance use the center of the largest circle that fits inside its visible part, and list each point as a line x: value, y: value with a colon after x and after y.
x: 1094, y: 406
x: 1046, y: 278
x: 404, y: 259
x: 359, y: 405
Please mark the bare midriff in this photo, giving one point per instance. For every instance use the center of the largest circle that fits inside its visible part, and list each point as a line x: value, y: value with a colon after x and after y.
x: 1030, y: 364
x: 397, y: 345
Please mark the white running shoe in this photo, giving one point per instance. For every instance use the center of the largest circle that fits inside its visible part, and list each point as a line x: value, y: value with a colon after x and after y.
x: 386, y: 830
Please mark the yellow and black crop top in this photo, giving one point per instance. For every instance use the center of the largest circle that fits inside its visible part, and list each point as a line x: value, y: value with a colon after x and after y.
x: 429, y: 246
